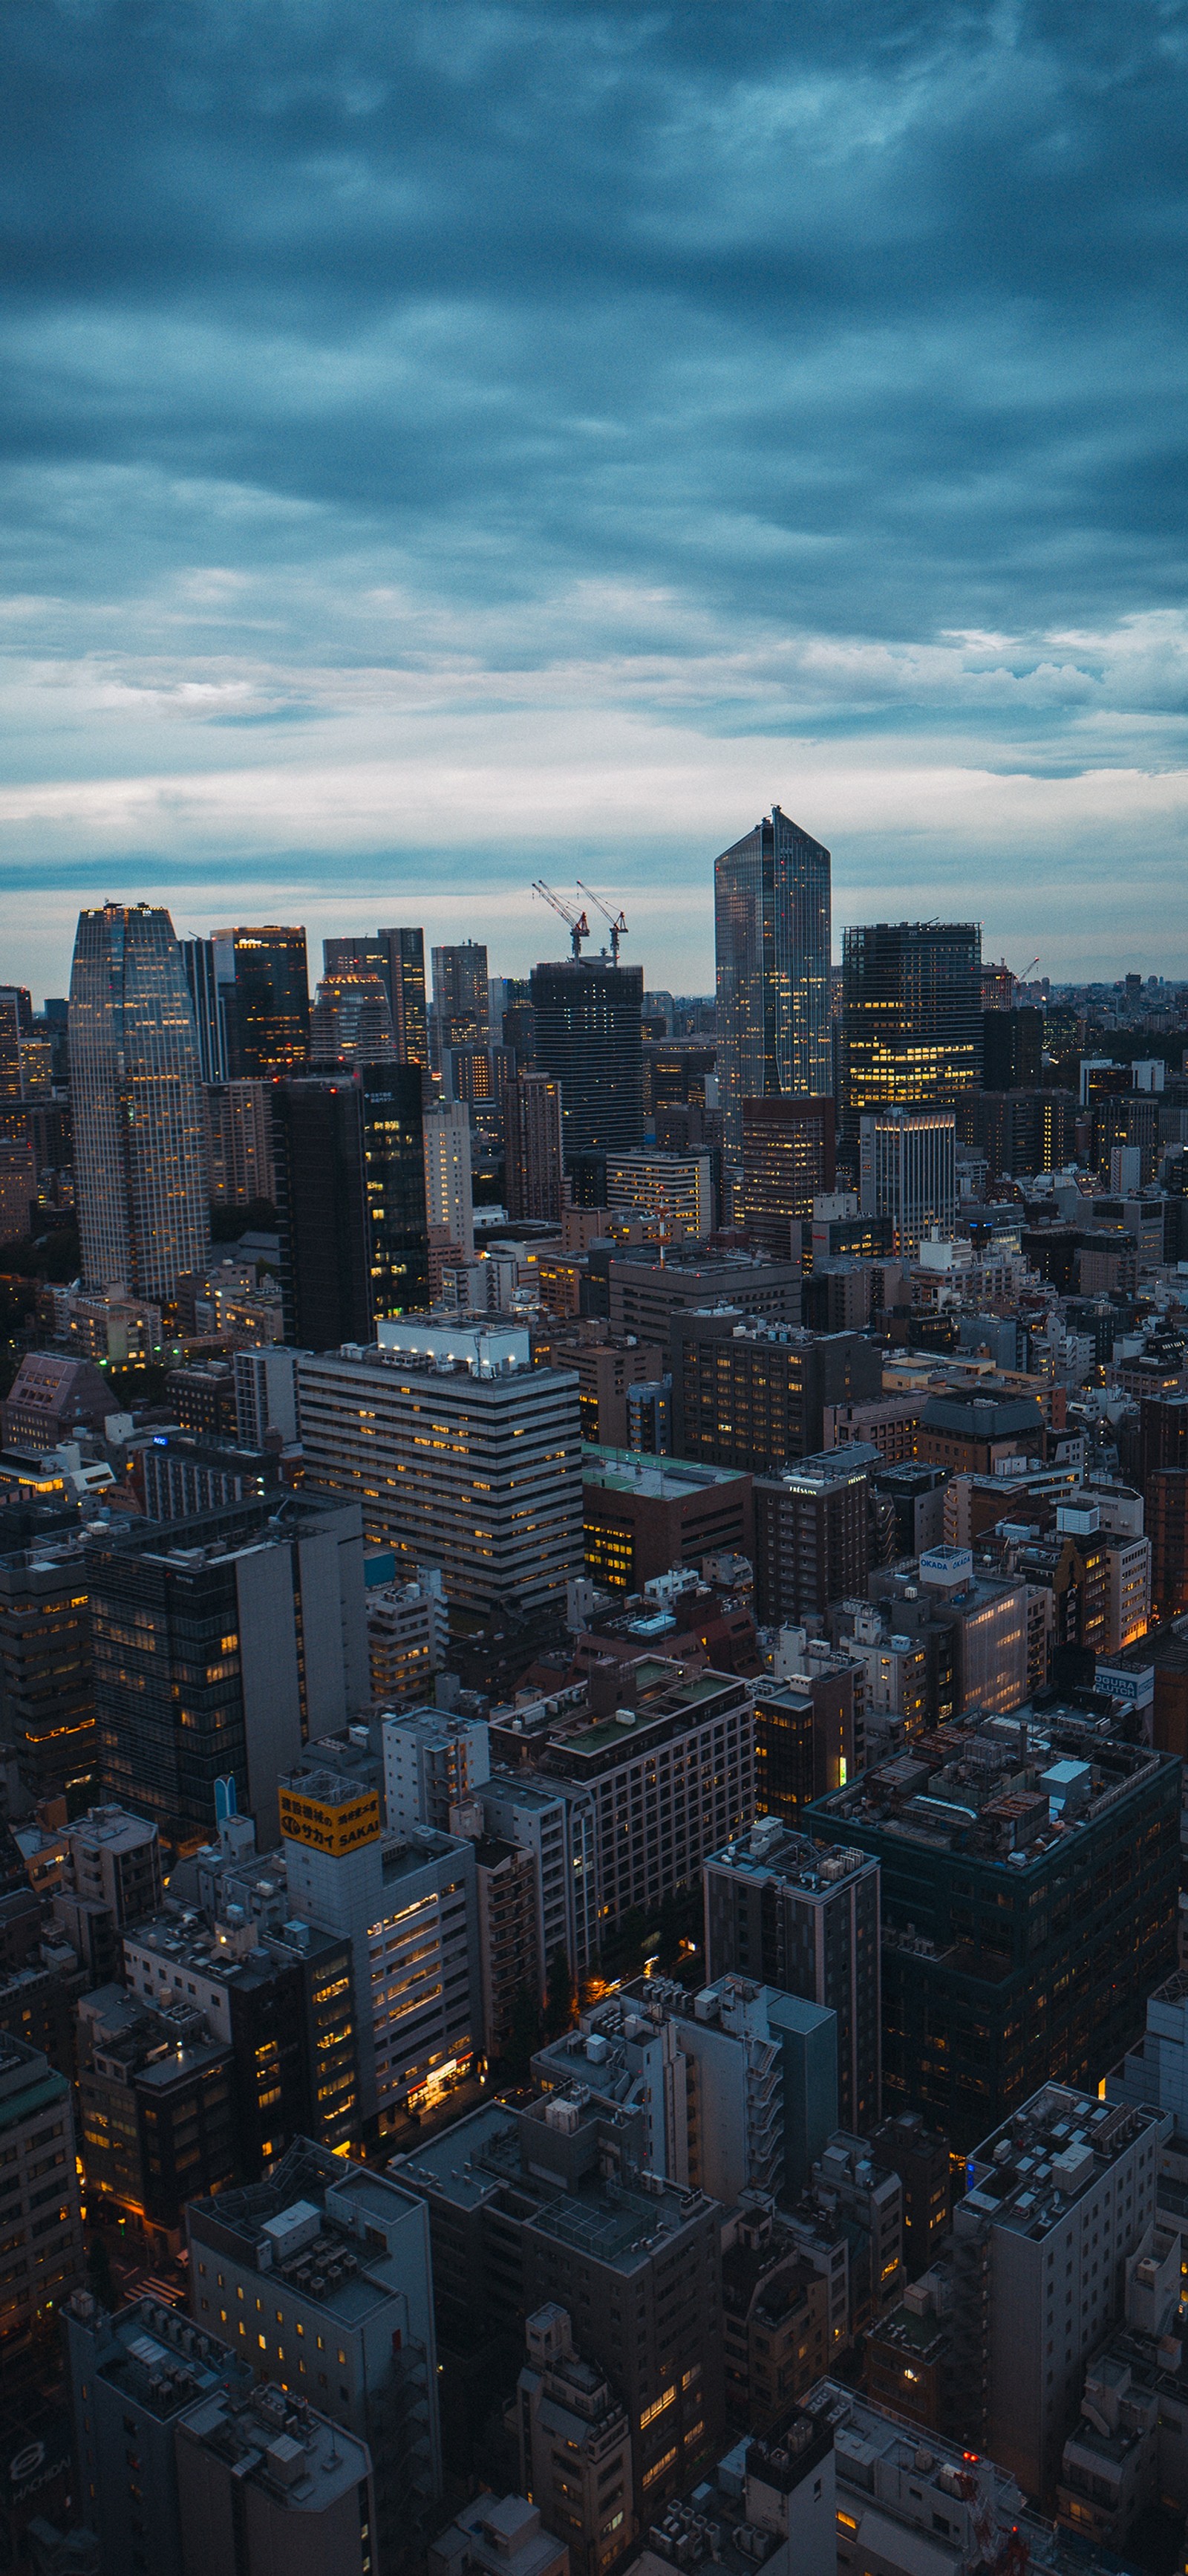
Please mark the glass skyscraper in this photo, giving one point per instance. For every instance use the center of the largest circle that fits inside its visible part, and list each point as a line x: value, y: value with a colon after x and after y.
x: 264, y: 975
x: 771, y: 933
x: 140, y: 1175
x: 911, y: 1015
x: 589, y: 1037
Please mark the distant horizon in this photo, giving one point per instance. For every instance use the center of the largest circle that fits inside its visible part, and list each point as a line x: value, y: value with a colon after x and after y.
x: 511, y: 933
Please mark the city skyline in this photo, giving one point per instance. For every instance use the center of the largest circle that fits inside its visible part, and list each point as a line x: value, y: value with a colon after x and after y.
x: 808, y: 433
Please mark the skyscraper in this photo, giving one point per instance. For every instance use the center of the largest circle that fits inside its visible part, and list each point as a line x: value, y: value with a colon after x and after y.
x: 788, y: 1161
x: 771, y: 933
x: 589, y: 1037
x: 138, y: 1140
x: 909, y: 1172
x: 202, y: 983
x: 264, y: 979
x: 460, y: 1006
x: 448, y: 1187
x: 911, y: 1014
x: 406, y: 987
x: 350, y: 1177
x: 222, y: 1646
x: 532, y: 1130
x: 352, y: 1019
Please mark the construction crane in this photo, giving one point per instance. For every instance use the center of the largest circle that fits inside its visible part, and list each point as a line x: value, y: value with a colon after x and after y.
x: 576, y: 922
x: 618, y: 927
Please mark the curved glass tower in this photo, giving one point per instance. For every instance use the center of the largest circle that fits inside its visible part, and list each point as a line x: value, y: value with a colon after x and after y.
x: 135, y: 1087
x: 771, y: 933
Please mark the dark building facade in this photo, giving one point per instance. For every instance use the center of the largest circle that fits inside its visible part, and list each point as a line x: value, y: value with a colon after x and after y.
x: 589, y: 1037
x: 788, y: 1913
x: 47, y: 1692
x: 751, y: 1394
x: 534, y: 1169
x: 788, y: 1161
x: 406, y: 990
x: 1013, y: 1954
x: 218, y: 1650
x: 264, y: 986
x: 1012, y: 1050
x: 911, y: 1015
x: 351, y: 1191
x: 812, y: 1535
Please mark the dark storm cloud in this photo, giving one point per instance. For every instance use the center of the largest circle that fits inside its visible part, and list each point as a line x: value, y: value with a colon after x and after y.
x: 433, y: 432
x: 868, y: 316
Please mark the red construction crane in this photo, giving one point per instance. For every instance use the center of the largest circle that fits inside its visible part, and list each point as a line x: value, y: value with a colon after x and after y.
x: 618, y: 927
x: 576, y: 922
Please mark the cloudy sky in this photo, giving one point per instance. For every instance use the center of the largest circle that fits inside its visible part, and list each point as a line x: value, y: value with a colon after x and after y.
x: 444, y: 444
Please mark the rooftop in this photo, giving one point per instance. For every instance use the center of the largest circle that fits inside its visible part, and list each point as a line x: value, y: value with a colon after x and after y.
x: 1000, y: 1789
x: 666, y: 1480
x: 154, y: 2354
x: 1027, y: 2174
x: 276, y: 2441
x: 617, y: 2220
x: 829, y: 1468
x: 317, y: 2222
x: 774, y: 1850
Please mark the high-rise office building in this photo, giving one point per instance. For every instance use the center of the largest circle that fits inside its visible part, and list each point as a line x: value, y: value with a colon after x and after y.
x: 533, y: 1144
x: 350, y: 1169
x: 911, y: 1015
x: 1012, y: 1050
x: 222, y: 1645
x: 361, y: 953
x: 460, y: 1001
x: 352, y: 1020
x: 42, y: 2224
x: 461, y: 1454
x: 408, y: 1910
x: 394, y: 1186
x: 672, y: 1192
x: 1061, y: 2195
x: 812, y: 1542
x: 47, y: 1696
x: 406, y: 988
x: 782, y: 1910
x: 788, y: 1161
x: 752, y: 1394
x: 264, y: 979
x: 772, y: 933
x: 322, y: 1208
x: 26, y: 1052
x: 1014, y: 1948
x: 238, y: 1118
x: 908, y: 1172
x: 325, y: 2266
x: 542, y: 2204
x: 398, y: 958
x: 138, y: 1143
x: 206, y: 1001
x: 448, y: 1186
x: 589, y: 1037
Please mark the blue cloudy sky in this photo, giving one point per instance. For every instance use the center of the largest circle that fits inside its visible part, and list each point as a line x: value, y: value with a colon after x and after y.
x: 445, y: 442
